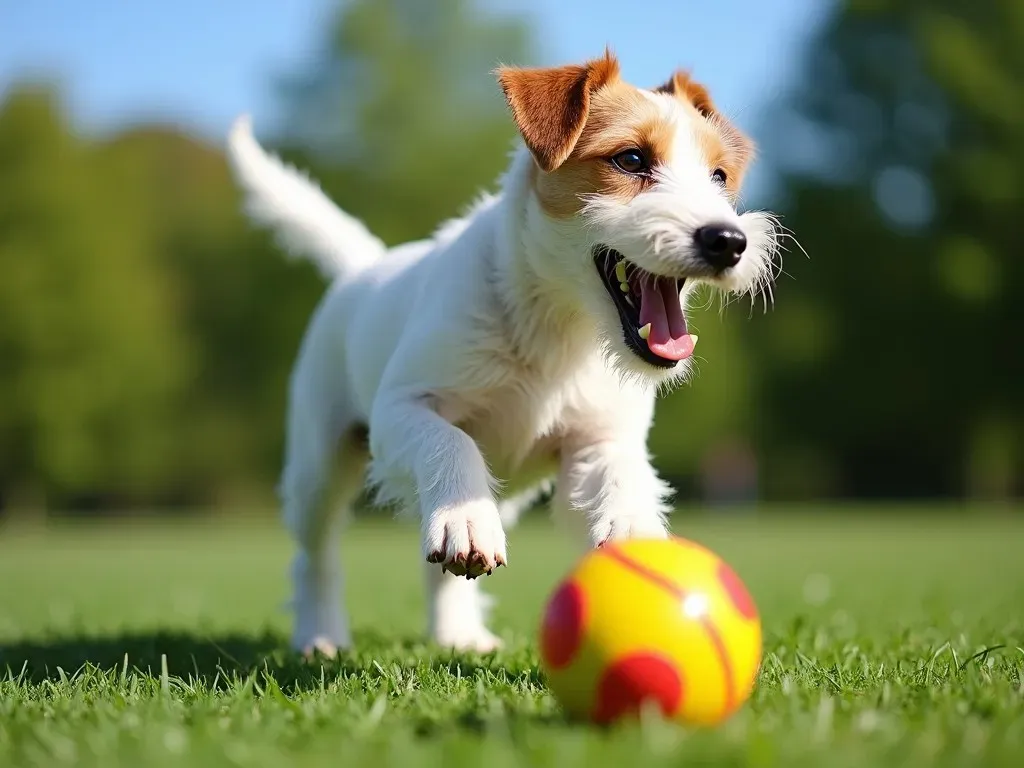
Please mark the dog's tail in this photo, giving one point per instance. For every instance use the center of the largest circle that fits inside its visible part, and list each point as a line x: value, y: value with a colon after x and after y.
x: 306, y: 222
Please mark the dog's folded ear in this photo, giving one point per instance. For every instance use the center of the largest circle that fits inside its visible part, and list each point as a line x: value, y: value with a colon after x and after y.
x: 550, y: 104
x: 742, y: 149
x: 686, y: 88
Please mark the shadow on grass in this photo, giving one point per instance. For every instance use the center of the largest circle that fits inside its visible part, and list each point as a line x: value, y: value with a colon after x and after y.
x: 226, y: 662
x: 187, y: 655
x: 218, y: 660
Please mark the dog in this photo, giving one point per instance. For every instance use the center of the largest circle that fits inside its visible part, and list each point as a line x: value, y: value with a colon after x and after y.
x: 517, y: 350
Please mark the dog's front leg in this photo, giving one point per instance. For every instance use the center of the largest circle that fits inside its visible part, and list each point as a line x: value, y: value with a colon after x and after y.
x: 612, y: 488
x: 461, y: 528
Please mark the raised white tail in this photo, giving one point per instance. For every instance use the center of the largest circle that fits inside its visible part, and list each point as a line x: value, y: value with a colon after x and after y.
x: 306, y: 222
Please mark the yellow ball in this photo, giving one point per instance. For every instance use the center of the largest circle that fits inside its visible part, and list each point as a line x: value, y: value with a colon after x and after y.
x: 662, y: 622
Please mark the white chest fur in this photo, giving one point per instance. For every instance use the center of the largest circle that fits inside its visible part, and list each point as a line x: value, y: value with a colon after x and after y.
x: 520, y: 425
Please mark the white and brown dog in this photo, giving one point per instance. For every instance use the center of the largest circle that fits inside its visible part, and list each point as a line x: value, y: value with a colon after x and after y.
x: 522, y: 343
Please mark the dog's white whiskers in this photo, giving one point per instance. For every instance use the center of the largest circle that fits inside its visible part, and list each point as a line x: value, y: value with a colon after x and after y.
x: 787, y: 233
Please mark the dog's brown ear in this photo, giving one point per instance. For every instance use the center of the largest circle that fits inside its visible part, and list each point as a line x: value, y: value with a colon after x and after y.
x: 740, y: 148
x: 688, y: 89
x: 550, y: 105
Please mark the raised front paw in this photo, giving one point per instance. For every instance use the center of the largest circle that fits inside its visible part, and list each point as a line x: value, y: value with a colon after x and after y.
x: 467, y: 540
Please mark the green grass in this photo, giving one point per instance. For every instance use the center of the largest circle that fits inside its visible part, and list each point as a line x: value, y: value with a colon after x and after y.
x: 143, y: 645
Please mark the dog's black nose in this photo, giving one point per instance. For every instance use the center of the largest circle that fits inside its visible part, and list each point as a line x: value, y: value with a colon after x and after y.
x: 720, y: 245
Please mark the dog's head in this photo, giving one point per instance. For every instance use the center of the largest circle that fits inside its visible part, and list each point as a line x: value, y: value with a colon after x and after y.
x: 643, y: 185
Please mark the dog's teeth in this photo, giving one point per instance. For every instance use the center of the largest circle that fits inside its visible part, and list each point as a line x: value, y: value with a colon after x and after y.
x: 620, y: 272
x: 693, y: 338
x: 644, y: 332
x: 624, y: 287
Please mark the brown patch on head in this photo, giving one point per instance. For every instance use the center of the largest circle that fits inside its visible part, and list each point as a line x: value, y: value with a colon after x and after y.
x: 725, y: 149
x: 550, y: 105
x: 620, y: 118
x: 724, y: 145
x: 575, y: 118
x: 689, y: 91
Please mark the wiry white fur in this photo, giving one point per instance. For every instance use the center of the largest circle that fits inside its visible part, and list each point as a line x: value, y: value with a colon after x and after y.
x: 486, y: 361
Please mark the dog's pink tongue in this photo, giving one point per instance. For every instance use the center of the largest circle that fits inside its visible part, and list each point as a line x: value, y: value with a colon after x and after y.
x: 660, y: 306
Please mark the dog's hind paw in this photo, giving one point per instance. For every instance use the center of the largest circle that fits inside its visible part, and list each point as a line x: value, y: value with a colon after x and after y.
x: 480, y: 641
x: 318, y: 645
x: 467, y: 540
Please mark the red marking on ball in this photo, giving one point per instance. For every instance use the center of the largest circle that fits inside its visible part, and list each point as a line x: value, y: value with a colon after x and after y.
x: 633, y: 680
x: 737, y: 594
x: 724, y: 660
x: 562, y: 631
x: 741, y: 599
x: 644, y: 572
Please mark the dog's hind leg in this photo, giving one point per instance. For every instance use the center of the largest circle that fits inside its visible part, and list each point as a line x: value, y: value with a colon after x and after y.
x: 457, y: 612
x: 457, y: 608
x: 317, y: 432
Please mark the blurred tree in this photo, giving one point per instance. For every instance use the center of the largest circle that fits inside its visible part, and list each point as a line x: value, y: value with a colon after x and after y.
x: 400, y: 114
x: 91, y: 355
x: 241, y: 304
x: 891, y: 364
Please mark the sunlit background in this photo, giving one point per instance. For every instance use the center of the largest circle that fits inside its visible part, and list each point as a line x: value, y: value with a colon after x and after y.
x: 146, y: 331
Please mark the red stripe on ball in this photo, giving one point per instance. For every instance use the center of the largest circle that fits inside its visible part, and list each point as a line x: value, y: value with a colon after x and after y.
x: 562, y: 630
x: 634, y: 680
x: 741, y: 599
x: 724, y: 660
x: 727, y: 578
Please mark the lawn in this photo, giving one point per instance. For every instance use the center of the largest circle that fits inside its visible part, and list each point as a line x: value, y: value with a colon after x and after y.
x: 891, y: 639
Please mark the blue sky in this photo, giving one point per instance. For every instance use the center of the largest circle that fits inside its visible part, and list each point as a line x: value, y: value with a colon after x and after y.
x: 201, y: 62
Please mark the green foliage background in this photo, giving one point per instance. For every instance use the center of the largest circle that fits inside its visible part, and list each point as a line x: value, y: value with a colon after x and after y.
x: 146, y: 332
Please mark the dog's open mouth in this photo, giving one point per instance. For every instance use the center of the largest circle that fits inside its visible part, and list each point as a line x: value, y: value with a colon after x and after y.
x: 650, y: 309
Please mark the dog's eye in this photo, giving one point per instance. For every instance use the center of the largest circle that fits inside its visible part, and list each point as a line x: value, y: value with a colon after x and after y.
x: 720, y: 176
x: 631, y: 161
